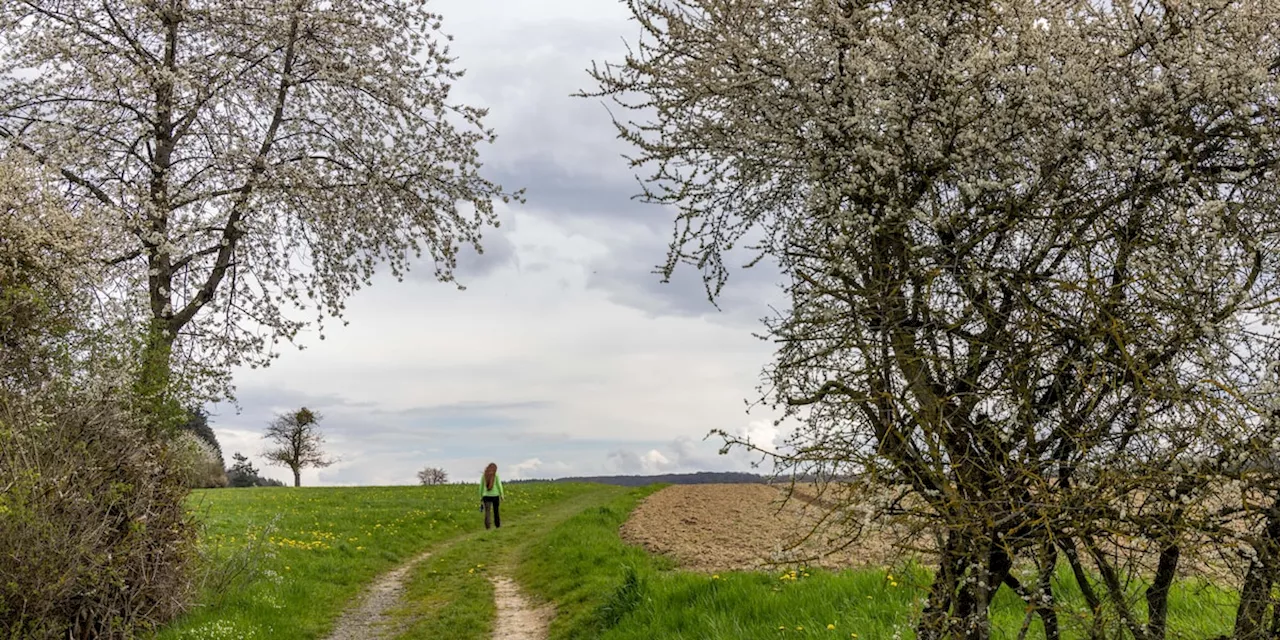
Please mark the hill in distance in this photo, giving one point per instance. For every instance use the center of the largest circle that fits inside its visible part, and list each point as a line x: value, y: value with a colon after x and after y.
x: 701, y: 477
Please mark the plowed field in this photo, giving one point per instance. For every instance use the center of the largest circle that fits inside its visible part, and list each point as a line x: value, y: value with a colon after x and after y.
x: 721, y: 527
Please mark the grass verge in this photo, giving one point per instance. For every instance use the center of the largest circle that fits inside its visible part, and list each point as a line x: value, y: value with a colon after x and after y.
x: 605, y: 589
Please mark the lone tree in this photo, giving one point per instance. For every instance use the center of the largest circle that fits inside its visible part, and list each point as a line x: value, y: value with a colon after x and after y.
x: 256, y: 158
x: 299, y: 442
x: 1032, y: 253
x: 432, y: 475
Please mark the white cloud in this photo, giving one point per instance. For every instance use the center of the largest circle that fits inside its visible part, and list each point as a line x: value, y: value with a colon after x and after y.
x: 536, y: 468
x: 563, y: 356
x: 763, y: 434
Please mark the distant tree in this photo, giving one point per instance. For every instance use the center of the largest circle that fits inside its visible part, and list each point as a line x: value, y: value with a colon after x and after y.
x: 433, y: 475
x: 243, y: 474
x: 299, y: 442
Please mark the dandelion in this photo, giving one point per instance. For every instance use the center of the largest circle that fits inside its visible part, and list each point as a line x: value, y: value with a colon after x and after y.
x: 831, y: 627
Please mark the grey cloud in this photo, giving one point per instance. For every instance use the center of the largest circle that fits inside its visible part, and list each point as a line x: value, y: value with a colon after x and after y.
x: 468, y: 415
x: 628, y: 275
x: 529, y: 92
x: 566, y: 191
x: 682, y: 455
x: 279, y: 398
x: 379, y: 429
x: 453, y: 408
x: 498, y: 251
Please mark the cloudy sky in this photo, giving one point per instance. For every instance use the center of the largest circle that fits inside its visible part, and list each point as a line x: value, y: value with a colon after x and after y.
x: 565, y: 355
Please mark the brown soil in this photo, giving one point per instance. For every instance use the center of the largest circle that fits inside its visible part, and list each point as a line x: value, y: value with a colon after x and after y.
x: 724, y: 527
x: 711, y: 528
x: 517, y: 619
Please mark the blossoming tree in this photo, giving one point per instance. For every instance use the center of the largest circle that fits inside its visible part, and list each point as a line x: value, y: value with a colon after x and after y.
x: 1032, y: 250
x: 258, y: 159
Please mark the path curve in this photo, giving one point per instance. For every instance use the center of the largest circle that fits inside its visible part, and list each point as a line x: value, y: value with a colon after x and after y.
x: 367, y: 621
x: 517, y: 619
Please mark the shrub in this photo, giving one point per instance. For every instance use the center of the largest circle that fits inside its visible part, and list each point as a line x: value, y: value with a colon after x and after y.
x: 97, y: 543
x: 197, y: 423
x: 201, y: 464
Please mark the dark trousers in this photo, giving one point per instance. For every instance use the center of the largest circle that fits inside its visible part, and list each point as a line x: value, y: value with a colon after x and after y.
x: 491, y: 504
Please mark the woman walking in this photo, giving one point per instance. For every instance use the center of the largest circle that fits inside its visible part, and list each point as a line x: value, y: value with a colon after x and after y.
x: 491, y: 494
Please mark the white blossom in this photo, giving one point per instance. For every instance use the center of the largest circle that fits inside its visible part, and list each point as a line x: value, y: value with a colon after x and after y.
x: 251, y: 150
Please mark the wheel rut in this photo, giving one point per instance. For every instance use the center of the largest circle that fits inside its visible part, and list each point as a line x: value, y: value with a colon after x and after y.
x: 517, y: 618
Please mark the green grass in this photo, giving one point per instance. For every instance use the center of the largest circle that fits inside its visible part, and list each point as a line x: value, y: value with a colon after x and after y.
x: 313, y: 550
x: 582, y: 565
x: 606, y: 589
x: 450, y: 595
x: 316, y: 548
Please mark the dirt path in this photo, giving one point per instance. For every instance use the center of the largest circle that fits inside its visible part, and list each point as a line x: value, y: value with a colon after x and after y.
x: 384, y: 611
x: 367, y: 620
x: 517, y: 619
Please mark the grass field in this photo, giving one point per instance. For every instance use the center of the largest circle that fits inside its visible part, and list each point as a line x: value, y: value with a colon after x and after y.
x: 299, y: 555
x: 291, y: 560
x: 611, y: 591
x: 450, y: 596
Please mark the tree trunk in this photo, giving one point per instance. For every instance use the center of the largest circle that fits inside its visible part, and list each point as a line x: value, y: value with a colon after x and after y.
x: 1047, y: 606
x: 934, y: 619
x: 297, y: 477
x: 152, y: 386
x: 974, y: 604
x: 1158, y: 592
x: 960, y: 597
x: 1255, y: 594
x: 1068, y: 546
